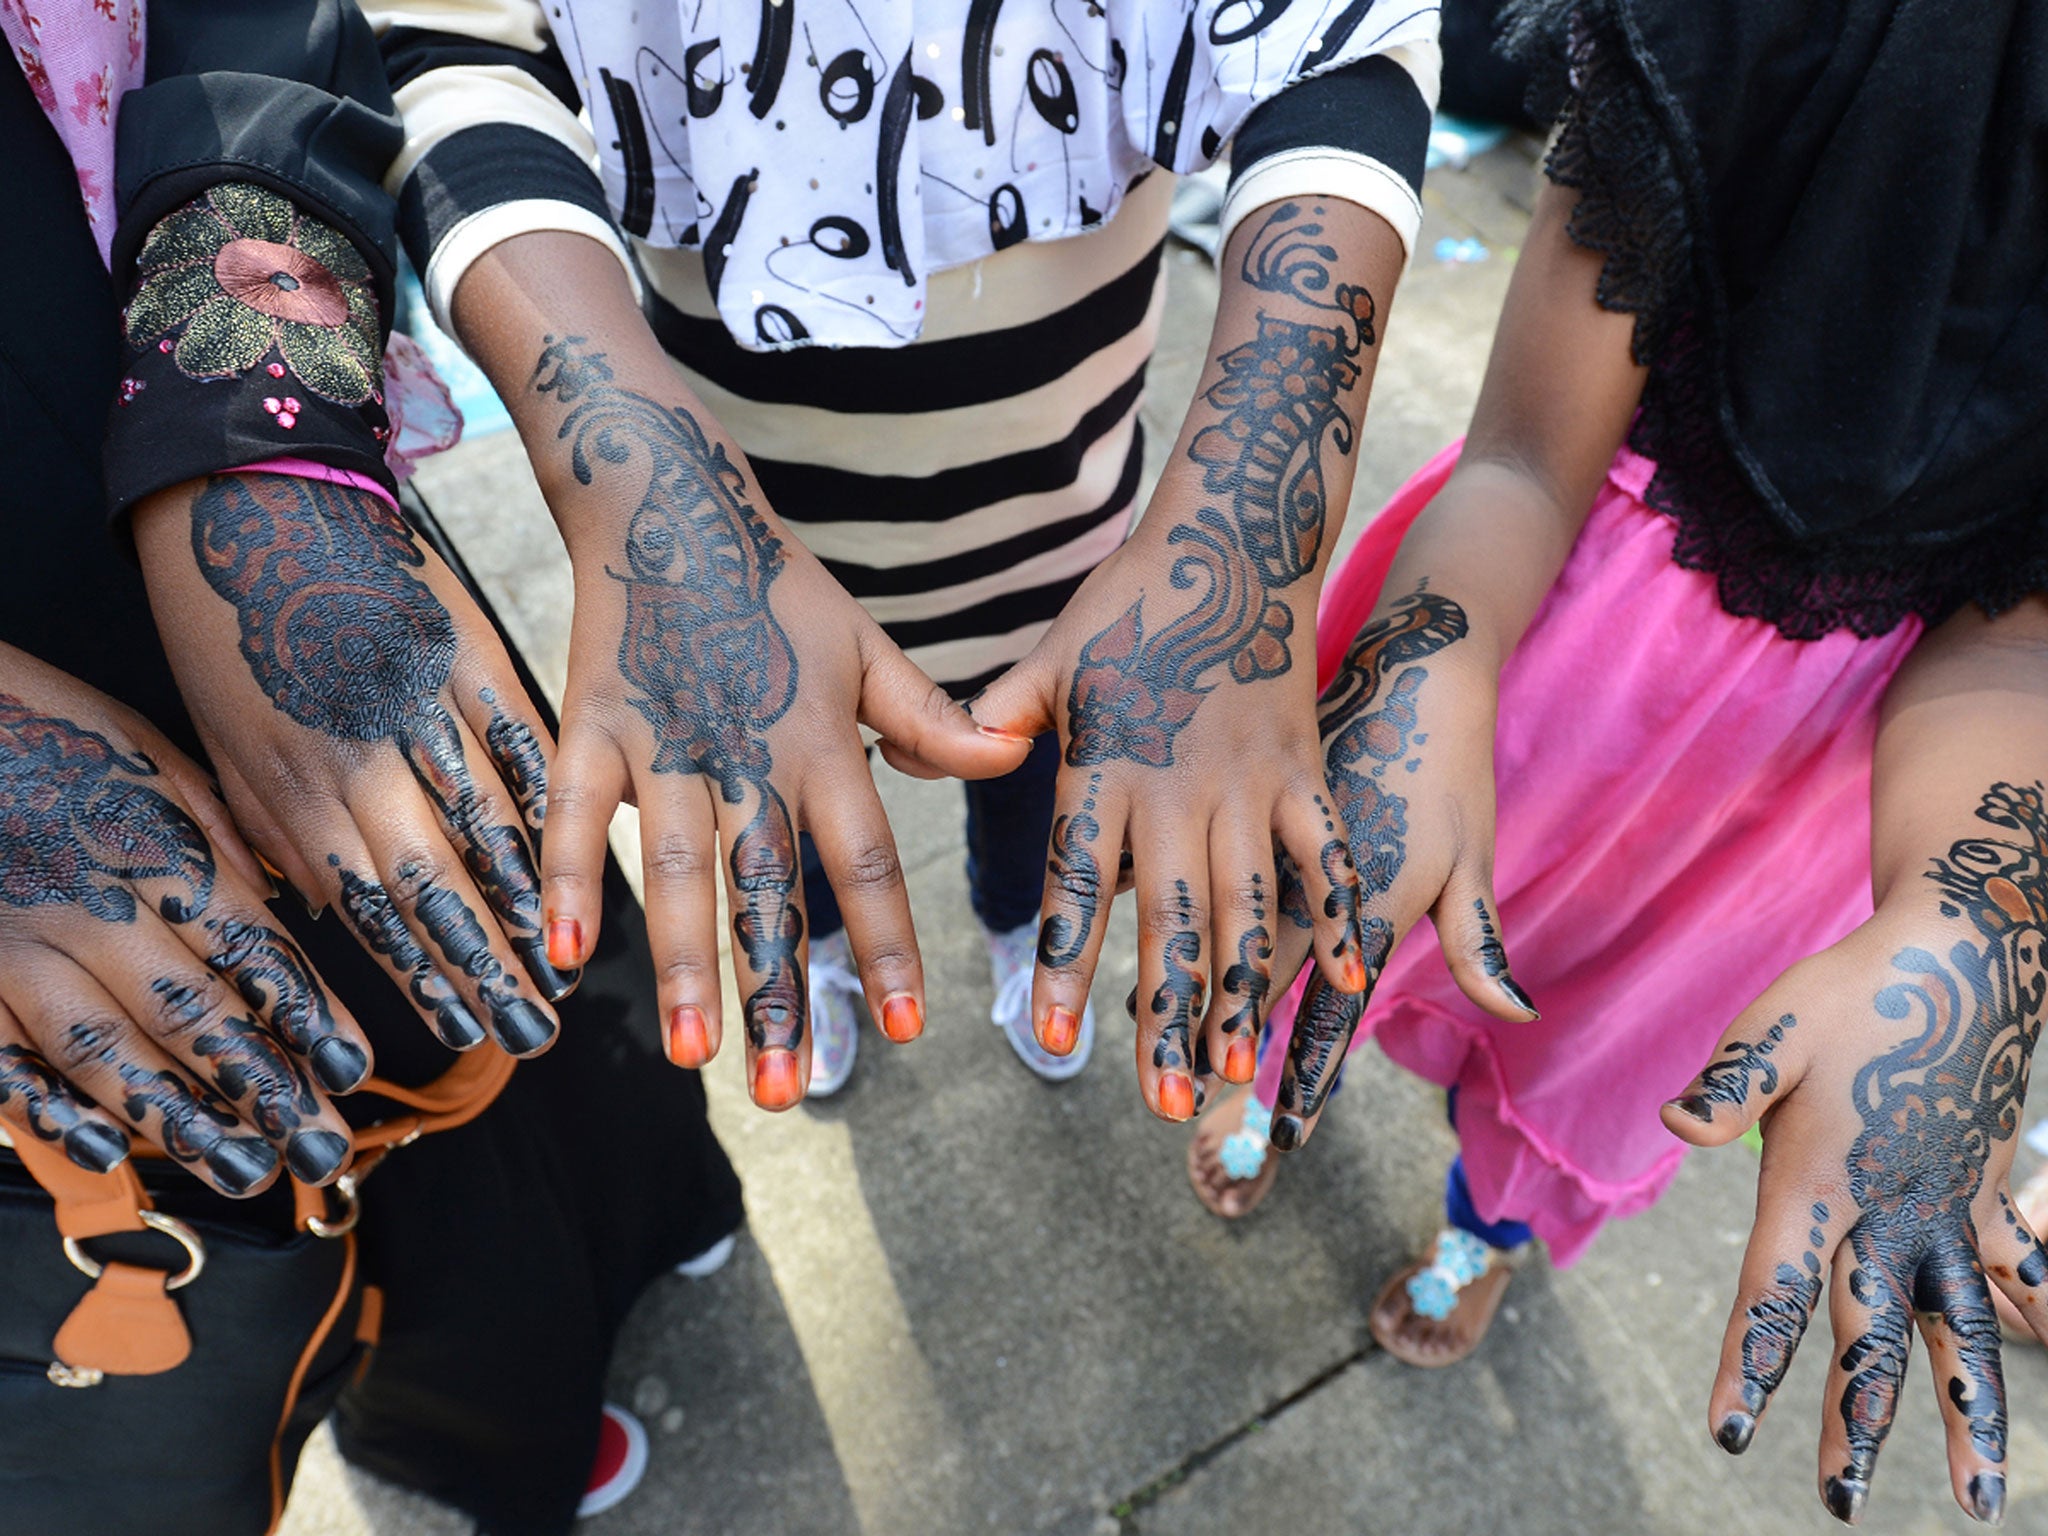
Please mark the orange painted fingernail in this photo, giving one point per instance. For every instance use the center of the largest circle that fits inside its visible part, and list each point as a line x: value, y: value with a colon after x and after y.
x: 1060, y: 1031
x: 689, y: 1038
x: 1241, y: 1061
x: 565, y: 943
x: 993, y: 734
x: 1176, y: 1096
x: 902, y: 1019
x: 777, y: 1082
x: 1354, y: 974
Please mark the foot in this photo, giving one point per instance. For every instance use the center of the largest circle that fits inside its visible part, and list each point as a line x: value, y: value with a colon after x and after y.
x: 1435, y: 1311
x: 1011, y: 957
x: 621, y: 1461
x: 2032, y: 1200
x: 835, y: 1014
x: 1230, y: 1163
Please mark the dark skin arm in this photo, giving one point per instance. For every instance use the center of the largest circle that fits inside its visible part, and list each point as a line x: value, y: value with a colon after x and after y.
x: 1890, y: 1072
x: 718, y: 675
x: 1559, y: 392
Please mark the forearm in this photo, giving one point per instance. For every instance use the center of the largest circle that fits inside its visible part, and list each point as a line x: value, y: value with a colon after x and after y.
x: 1967, y: 711
x: 1560, y: 391
x: 532, y: 292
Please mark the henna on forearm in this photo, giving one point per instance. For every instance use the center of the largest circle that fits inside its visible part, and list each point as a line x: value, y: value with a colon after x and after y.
x: 1365, y: 734
x: 707, y: 663
x: 343, y: 636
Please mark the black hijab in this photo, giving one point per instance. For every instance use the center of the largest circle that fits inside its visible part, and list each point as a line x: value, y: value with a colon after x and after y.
x: 1830, y: 218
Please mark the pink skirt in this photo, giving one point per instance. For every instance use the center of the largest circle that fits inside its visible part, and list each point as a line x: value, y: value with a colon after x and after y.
x: 1684, y: 812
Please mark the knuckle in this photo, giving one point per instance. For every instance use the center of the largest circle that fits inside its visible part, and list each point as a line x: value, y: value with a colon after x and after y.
x: 414, y: 870
x: 93, y: 1041
x: 573, y: 799
x: 871, y: 869
x: 887, y: 956
x: 674, y: 857
x: 182, y: 1004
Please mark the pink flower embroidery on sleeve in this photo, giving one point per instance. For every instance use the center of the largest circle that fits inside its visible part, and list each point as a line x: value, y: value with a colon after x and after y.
x: 105, y: 8
x: 38, y: 78
x: 94, y: 97
x: 94, y: 194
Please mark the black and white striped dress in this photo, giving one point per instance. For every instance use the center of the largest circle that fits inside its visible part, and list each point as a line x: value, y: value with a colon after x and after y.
x: 961, y: 485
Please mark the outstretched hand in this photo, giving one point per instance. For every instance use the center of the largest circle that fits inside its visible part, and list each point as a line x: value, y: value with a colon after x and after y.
x: 719, y: 677
x: 1889, y: 1074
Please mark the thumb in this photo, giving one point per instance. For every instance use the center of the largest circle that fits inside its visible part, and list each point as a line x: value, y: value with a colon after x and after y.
x: 1468, y: 926
x: 1757, y: 1063
x: 924, y: 732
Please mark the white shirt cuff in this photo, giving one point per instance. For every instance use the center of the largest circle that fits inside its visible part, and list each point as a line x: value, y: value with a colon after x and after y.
x: 493, y: 226
x: 1324, y: 172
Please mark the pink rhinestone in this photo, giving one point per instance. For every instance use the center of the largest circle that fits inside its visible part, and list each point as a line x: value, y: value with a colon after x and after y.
x: 292, y: 405
x: 275, y: 370
x: 272, y: 404
x: 287, y: 420
x: 164, y: 345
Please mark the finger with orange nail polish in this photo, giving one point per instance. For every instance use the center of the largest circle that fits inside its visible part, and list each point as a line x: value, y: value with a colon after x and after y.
x: 902, y: 1018
x: 565, y: 943
x: 1059, y: 1030
x: 778, y: 1079
x: 688, y: 1040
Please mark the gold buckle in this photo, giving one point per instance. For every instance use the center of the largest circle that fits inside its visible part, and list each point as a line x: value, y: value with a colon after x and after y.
x: 156, y: 1221
x: 351, y: 1209
x: 62, y: 1375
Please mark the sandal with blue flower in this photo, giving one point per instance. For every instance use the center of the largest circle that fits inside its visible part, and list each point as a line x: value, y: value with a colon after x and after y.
x: 1435, y: 1311
x: 1229, y: 1161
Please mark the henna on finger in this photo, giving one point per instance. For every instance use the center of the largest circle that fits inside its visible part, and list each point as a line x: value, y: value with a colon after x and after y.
x: 1177, y: 1004
x: 368, y: 908
x: 196, y: 1126
x: 1248, y: 981
x: 1776, y: 1321
x: 51, y: 1110
x: 1072, y: 869
x: 274, y: 1094
x: 1739, y: 1068
x: 273, y: 977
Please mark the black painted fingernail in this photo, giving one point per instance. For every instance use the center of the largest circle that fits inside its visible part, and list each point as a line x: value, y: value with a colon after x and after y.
x: 1845, y: 1496
x: 457, y: 1029
x: 1517, y: 996
x: 339, y: 1064
x: 552, y: 984
x: 240, y: 1163
x: 1735, y: 1433
x: 95, y: 1147
x: 1131, y: 1005
x: 522, y: 1028
x: 1697, y: 1106
x: 315, y: 1155
x: 1285, y: 1134
x: 1987, y: 1497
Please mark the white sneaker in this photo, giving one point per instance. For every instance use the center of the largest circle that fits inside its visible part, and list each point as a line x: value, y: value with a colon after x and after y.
x: 711, y: 1260
x: 835, y: 1014
x: 621, y: 1461
x: 1011, y: 958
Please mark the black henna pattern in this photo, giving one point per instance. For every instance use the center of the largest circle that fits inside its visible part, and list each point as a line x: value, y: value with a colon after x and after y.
x: 343, y: 635
x: 1072, y: 868
x: 251, y: 1070
x: 1740, y: 1068
x: 1364, y: 734
x: 1177, y: 1003
x: 1777, y: 1320
x: 711, y: 667
x: 1248, y: 980
x: 81, y: 824
x: 1932, y: 1108
x: 51, y: 1110
x: 1283, y: 401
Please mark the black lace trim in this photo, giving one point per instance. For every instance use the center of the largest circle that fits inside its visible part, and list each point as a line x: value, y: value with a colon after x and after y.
x: 1614, y: 148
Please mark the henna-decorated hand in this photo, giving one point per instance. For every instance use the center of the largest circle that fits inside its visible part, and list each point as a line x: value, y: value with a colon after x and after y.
x: 1889, y: 1073
x: 718, y: 677
x: 142, y: 984
x: 371, y: 734
x: 1407, y: 733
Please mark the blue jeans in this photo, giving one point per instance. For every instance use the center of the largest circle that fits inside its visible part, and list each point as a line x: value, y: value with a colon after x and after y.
x: 1009, y: 828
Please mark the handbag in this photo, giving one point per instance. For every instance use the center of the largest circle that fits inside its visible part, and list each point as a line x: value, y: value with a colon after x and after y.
x: 161, y: 1364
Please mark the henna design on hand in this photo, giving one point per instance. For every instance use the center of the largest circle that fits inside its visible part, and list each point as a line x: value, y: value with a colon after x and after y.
x: 1062, y: 940
x: 1778, y: 1320
x: 1249, y: 979
x: 254, y: 1072
x: 370, y: 911
x: 196, y: 1125
x: 1739, y: 1069
x: 710, y: 666
x: 1283, y: 402
x: 1178, y: 1000
x: 344, y: 637
x: 53, y: 1111
x: 1363, y: 736
x: 517, y: 751
x: 1932, y: 1107
x: 80, y: 824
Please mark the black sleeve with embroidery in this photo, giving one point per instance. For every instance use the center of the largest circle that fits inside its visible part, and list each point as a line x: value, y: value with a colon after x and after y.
x: 255, y: 247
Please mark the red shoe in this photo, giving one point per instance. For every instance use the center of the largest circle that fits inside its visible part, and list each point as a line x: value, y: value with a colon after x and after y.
x: 621, y: 1461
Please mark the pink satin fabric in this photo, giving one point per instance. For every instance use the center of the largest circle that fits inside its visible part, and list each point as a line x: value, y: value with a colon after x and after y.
x: 1683, y: 813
